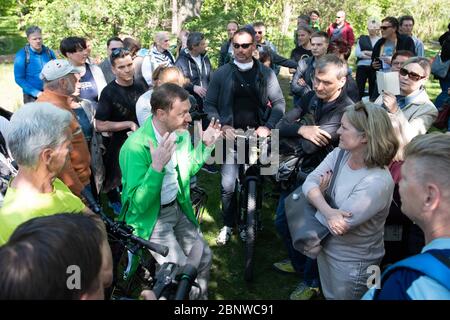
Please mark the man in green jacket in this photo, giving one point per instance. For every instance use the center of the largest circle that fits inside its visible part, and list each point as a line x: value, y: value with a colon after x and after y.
x: 157, y: 162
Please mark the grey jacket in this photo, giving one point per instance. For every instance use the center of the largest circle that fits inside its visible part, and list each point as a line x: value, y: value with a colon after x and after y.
x: 219, y: 98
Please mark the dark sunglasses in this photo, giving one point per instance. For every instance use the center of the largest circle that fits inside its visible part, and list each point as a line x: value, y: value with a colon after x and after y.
x: 117, y: 52
x: 243, y: 45
x: 385, y: 27
x: 259, y: 32
x: 412, y: 75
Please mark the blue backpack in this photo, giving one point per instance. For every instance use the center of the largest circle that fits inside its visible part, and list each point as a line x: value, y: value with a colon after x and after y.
x: 434, y: 264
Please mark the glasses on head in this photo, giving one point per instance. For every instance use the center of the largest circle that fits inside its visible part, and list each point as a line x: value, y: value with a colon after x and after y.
x: 361, y: 107
x: 243, y: 45
x: 118, y: 51
x: 412, y: 75
x: 385, y: 27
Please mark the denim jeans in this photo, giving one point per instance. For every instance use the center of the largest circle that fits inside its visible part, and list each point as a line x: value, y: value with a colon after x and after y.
x: 174, y: 230
x: 301, y: 263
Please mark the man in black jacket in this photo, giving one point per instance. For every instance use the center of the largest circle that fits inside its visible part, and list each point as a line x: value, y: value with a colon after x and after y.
x: 391, y: 41
x: 195, y: 65
x: 226, y: 50
x: 324, y: 106
x: 243, y: 93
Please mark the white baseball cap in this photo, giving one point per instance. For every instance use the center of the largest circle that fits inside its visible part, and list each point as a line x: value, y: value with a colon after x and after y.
x: 58, y: 68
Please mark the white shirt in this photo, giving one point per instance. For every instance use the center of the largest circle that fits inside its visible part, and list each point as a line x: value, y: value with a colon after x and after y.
x: 198, y: 61
x: 169, y: 188
x: 143, y: 107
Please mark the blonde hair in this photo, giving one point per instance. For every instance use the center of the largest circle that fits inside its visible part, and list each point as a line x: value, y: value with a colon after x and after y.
x: 373, y: 121
x: 431, y: 154
x: 163, y: 74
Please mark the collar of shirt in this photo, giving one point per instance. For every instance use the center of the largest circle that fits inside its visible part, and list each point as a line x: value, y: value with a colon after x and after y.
x: 439, y: 244
x: 403, y: 101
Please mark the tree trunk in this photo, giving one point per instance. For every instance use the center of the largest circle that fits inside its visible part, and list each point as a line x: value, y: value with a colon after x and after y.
x: 175, y: 26
x: 287, y: 12
x: 182, y: 10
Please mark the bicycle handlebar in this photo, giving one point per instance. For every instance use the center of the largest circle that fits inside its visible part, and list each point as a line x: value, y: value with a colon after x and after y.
x: 125, y: 232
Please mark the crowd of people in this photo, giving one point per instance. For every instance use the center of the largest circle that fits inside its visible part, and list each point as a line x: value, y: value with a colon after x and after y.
x: 122, y: 130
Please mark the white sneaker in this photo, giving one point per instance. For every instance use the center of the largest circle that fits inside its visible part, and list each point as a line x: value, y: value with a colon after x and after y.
x: 224, y: 236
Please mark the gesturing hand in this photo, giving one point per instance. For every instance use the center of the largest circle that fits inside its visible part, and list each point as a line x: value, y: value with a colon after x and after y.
x: 315, y: 135
x: 212, y: 133
x: 162, y: 154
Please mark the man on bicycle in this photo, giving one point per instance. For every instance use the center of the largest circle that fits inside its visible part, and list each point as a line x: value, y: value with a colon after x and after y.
x: 242, y: 94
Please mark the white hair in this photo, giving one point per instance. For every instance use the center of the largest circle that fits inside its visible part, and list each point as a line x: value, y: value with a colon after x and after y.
x: 34, y: 127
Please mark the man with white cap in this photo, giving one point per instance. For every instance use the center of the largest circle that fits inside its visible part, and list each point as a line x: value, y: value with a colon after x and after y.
x: 61, y: 83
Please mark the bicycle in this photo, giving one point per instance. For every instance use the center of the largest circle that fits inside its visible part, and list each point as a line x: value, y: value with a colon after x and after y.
x: 249, y: 187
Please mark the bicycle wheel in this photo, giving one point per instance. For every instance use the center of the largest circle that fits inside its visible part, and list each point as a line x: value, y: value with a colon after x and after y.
x: 250, y: 229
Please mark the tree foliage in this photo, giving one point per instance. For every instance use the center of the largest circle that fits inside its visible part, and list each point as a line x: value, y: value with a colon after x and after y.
x: 101, y: 19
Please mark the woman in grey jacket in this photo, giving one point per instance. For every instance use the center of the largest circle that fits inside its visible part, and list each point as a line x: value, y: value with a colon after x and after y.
x: 362, y: 194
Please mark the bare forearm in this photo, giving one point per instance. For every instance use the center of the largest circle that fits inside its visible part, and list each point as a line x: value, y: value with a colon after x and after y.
x: 112, y: 126
x: 316, y: 198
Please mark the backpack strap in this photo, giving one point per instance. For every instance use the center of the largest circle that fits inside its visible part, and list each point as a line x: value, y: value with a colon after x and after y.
x: 433, y: 263
x: 27, y: 54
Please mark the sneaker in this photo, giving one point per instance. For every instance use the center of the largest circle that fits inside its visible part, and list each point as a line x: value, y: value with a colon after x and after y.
x: 116, y: 206
x: 210, y: 168
x: 284, y: 266
x: 304, y: 292
x: 224, y: 236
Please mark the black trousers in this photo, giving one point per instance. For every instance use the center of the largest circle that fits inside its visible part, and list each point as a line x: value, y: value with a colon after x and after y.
x: 364, y: 74
x: 27, y: 98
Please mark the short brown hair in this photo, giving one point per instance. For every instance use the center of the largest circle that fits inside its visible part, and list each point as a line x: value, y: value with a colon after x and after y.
x: 165, y: 95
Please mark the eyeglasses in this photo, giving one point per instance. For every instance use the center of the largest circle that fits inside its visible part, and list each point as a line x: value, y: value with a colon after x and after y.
x: 259, y: 32
x: 339, y: 17
x: 243, y: 45
x: 119, y: 51
x: 385, y: 27
x: 412, y: 75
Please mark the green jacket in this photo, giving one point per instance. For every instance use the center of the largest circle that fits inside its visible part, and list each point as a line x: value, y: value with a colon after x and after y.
x: 141, y: 194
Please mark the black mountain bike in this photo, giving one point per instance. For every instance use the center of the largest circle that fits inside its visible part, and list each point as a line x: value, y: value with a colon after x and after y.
x: 250, y: 193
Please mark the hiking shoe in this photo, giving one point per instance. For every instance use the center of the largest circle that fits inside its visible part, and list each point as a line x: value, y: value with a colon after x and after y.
x: 224, y: 236
x: 116, y: 206
x: 304, y: 292
x: 284, y: 266
x: 210, y: 168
